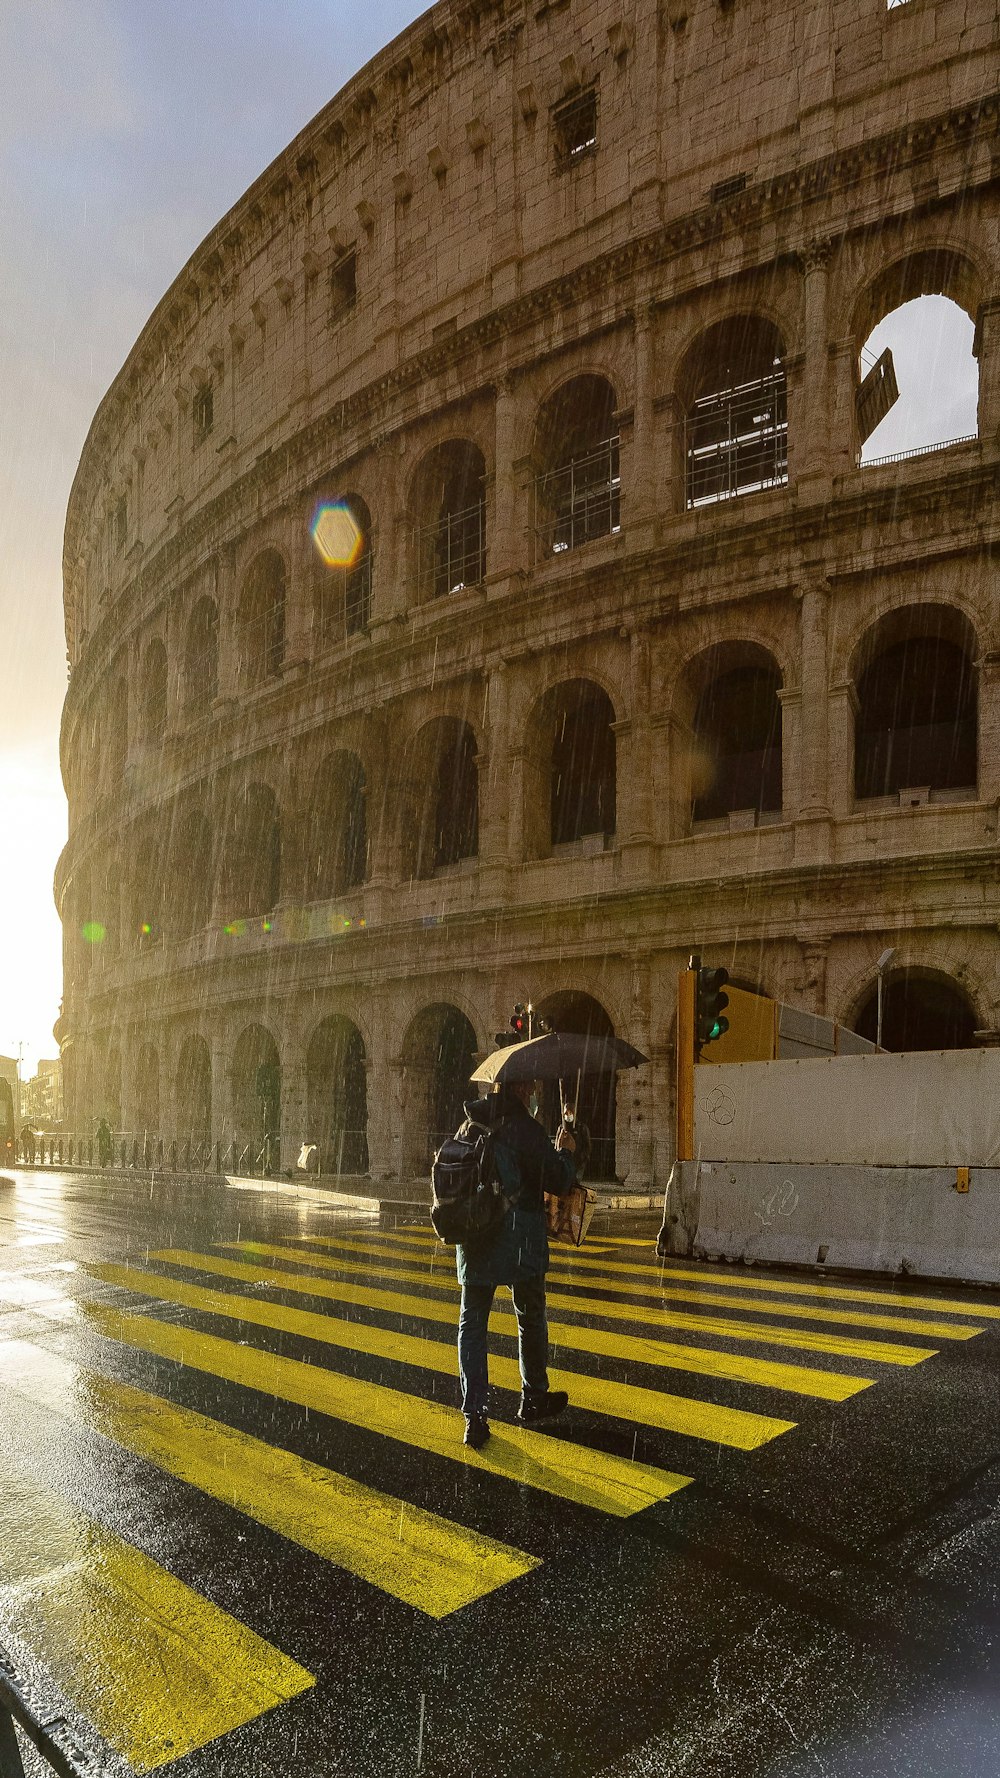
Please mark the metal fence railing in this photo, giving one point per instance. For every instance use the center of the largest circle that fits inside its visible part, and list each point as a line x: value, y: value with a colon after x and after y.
x: 736, y: 441
x: 146, y: 1152
x: 358, y: 595
x: 580, y: 501
x: 452, y: 554
x: 944, y: 444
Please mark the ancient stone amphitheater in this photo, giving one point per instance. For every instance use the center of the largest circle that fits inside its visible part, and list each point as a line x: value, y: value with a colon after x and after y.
x: 474, y: 593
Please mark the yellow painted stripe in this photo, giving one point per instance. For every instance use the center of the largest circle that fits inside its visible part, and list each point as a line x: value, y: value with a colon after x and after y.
x: 798, y: 1379
x: 439, y: 1277
x: 716, y: 1299
x: 602, y: 1259
x: 552, y: 1466
x: 415, y: 1555
x: 623, y: 1401
x: 157, y: 1669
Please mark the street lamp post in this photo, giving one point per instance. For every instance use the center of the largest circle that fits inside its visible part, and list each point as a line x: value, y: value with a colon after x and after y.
x: 880, y: 969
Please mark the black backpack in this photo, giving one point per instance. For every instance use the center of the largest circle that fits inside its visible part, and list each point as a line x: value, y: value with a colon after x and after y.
x: 468, y: 1201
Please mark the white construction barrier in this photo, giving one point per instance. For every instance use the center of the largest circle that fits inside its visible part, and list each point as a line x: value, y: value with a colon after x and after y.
x: 935, y: 1108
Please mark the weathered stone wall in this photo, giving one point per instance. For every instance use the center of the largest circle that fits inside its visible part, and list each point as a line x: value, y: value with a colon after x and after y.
x: 487, y: 276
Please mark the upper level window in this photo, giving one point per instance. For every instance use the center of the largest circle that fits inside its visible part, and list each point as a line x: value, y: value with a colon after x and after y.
x: 343, y: 285
x: 203, y: 412
x: 575, y: 125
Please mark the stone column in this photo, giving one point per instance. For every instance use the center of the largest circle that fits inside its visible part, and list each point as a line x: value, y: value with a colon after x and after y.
x: 390, y: 594
x: 294, y: 1101
x: 299, y: 591
x: 986, y: 347
x: 222, y: 1093
x: 842, y: 447
x: 989, y: 727
x: 843, y: 708
x: 634, y: 1121
x: 226, y: 594
x: 634, y: 759
x: 639, y: 503
x: 670, y: 469
x: 507, y: 518
x: 385, y: 1113
x: 808, y: 425
x: 494, y: 790
x: 813, y: 799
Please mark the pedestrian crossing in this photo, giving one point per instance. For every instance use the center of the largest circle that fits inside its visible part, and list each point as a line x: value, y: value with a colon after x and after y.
x: 359, y: 1329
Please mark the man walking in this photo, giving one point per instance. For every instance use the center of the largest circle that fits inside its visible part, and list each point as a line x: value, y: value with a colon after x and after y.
x: 517, y: 1254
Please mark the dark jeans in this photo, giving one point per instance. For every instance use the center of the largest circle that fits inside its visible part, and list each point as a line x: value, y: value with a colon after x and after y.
x: 532, y: 1340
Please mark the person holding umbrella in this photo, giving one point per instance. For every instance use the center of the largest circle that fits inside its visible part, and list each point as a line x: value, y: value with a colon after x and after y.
x: 516, y: 1255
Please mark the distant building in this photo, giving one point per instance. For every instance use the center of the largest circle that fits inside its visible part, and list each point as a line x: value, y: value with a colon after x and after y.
x: 9, y: 1110
x: 475, y: 590
x: 42, y: 1098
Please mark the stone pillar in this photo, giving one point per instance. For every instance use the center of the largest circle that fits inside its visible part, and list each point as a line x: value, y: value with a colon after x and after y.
x: 989, y: 727
x: 670, y: 469
x: 813, y: 953
x: 294, y: 1101
x: 639, y: 503
x: 390, y: 594
x: 299, y: 592
x: 843, y: 708
x: 634, y: 757
x: 634, y: 1122
x: 507, y: 517
x: 385, y: 1113
x: 842, y: 447
x: 812, y: 838
x: 222, y: 1094
x: 227, y: 595
x: 808, y: 425
x: 986, y: 347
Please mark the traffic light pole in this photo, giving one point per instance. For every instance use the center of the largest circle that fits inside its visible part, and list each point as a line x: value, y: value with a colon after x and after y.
x: 685, y: 1057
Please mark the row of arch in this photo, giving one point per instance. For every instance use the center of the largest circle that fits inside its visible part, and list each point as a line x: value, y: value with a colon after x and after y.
x: 921, y: 1010
x: 916, y: 729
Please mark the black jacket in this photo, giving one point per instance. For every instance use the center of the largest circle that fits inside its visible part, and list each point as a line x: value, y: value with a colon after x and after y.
x: 528, y: 1165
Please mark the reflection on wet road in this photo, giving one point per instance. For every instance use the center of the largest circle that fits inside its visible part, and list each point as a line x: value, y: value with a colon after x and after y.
x: 239, y: 1531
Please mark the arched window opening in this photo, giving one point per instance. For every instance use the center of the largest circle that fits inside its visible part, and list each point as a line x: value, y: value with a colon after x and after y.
x: 455, y: 797
x: 262, y: 619
x: 144, y: 890
x: 916, y: 726
x: 450, y: 514
x: 338, y: 842
x: 735, y: 402
x: 737, y: 739
x: 439, y: 1054
x: 201, y: 658
x: 337, y: 1092
x: 920, y: 1011
x: 147, y: 1089
x: 191, y: 875
x: 114, y: 742
x: 582, y: 767
x: 918, y: 375
x: 342, y: 533
x: 595, y: 1108
x: 256, y: 1097
x: 193, y: 1116
x: 154, y: 693
x: 252, y: 859
x: 578, y: 491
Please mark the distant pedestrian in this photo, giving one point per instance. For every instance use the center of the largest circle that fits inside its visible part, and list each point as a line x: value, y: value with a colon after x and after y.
x: 104, y: 1143
x: 517, y: 1255
x: 28, y: 1145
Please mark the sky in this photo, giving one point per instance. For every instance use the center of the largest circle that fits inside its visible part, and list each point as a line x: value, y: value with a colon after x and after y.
x: 127, y: 129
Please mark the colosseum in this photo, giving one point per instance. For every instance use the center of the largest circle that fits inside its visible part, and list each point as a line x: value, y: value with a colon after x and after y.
x: 475, y: 592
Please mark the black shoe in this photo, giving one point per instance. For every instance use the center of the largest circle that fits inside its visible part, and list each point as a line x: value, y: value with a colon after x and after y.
x: 542, y: 1407
x: 477, y: 1431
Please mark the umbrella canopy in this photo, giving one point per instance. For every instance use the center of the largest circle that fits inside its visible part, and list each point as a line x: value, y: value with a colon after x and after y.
x: 558, y: 1056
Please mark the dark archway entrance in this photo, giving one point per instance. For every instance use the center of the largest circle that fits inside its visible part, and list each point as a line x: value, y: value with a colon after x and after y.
x: 338, y: 1097
x: 919, y: 1012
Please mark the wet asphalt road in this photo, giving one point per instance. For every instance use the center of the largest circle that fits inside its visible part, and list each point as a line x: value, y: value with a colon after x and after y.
x: 238, y: 1533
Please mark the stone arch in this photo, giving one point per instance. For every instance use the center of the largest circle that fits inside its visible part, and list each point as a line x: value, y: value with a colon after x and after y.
x: 201, y: 657
x: 448, y: 511
x: 728, y: 710
x: 578, y: 484
x: 193, y: 1094
x: 251, y: 862
x: 337, y: 1096
x: 731, y: 387
x: 255, y: 1095
x: 153, y: 693
x: 439, y: 1054
x: 440, y: 797
x: 923, y: 1009
x: 571, y: 1010
x: 337, y: 851
x: 930, y: 396
x: 571, y: 767
x: 942, y: 269
x: 344, y: 535
x: 143, y: 885
x: 915, y: 674
x: 147, y: 1089
x: 261, y: 619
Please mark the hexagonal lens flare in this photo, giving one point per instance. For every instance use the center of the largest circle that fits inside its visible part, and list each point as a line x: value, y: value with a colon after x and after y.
x: 337, y: 534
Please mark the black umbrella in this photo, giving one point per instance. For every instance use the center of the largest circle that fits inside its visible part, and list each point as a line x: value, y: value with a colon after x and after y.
x: 558, y: 1056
